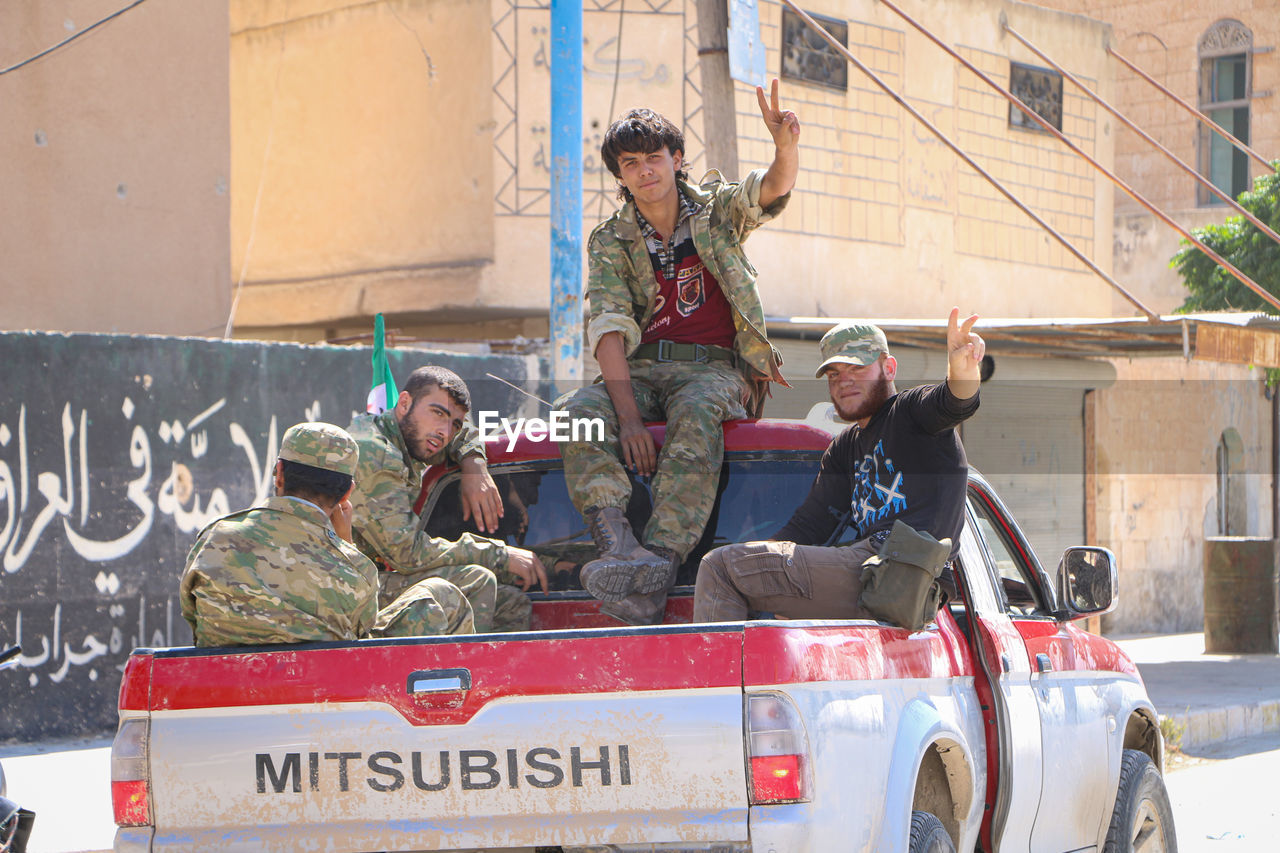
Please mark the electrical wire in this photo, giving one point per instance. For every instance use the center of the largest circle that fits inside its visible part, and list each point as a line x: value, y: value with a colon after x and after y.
x: 66, y: 41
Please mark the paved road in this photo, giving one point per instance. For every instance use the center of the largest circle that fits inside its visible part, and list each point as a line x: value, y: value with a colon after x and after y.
x: 70, y: 791
x: 1224, y: 798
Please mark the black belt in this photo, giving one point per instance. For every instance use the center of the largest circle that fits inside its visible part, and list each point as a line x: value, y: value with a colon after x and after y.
x: 673, y: 351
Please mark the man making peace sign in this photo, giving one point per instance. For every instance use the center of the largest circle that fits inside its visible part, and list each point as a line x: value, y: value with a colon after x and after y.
x: 677, y: 327
x: 896, y: 477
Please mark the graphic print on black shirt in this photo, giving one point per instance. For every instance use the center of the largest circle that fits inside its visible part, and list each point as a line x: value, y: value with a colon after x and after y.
x: 907, y: 463
x: 878, y: 491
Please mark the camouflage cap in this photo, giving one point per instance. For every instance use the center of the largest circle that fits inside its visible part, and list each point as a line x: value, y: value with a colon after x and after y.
x: 321, y: 446
x: 852, y: 343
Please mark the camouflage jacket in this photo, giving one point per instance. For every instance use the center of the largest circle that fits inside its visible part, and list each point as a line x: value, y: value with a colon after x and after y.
x: 388, y: 481
x: 623, y: 291
x: 277, y: 573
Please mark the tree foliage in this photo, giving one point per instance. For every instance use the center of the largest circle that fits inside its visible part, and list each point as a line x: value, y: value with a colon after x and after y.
x: 1210, y: 287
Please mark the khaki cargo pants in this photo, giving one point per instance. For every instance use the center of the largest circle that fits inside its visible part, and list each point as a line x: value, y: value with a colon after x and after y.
x: 783, y: 578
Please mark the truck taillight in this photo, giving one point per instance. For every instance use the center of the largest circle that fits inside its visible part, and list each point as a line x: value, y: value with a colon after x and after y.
x: 778, y: 750
x: 130, y: 776
x: 135, y: 687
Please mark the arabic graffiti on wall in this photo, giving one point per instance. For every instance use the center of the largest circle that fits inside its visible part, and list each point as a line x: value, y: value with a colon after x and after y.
x: 618, y: 72
x: 114, y: 452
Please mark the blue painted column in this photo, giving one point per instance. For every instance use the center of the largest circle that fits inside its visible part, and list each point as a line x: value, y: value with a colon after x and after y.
x: 566, y: 192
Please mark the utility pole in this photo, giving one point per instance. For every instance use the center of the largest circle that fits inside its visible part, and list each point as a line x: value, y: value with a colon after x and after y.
x: 566, y: 192
x: 719, y: 116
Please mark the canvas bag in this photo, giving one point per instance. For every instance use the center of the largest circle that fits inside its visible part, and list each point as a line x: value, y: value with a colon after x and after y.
x: 900, y: 584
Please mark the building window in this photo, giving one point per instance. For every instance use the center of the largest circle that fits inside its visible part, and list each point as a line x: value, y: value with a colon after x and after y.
x: 807, y: 56
x: 1041, y: 90
x: 1226, y: 70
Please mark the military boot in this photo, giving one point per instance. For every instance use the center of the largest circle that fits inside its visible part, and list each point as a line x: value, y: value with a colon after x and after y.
x: 623, y: 565
x: 638, y: 609
x: 644, y: 608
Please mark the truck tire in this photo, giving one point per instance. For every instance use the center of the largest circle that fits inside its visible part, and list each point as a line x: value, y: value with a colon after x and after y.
x: 1143, y: 817
x: 928, y: 835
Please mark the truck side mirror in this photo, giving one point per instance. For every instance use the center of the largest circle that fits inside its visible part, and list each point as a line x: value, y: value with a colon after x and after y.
x: 1086, y: 582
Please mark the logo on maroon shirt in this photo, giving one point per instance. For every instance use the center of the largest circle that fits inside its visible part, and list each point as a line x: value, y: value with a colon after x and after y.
x: 691, y: 308
x: 691, y: 293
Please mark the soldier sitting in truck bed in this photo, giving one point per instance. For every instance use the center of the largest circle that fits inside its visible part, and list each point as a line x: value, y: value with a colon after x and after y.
x: 428, y: 427
x: 286, y: 571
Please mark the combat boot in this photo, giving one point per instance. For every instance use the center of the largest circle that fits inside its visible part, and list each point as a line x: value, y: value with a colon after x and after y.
x: 637, y: 609
x: 644, y: 608
x: 623, y: 565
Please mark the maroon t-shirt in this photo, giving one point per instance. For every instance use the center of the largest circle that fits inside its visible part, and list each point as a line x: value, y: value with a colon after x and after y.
x: 691, y: 307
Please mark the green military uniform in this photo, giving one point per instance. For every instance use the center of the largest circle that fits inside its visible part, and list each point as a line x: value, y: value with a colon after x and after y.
x: 279, y: 573
x: 387, y: 529
x: 694, y: 398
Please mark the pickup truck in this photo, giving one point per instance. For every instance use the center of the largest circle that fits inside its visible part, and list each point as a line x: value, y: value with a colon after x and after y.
x: 1002, y: 725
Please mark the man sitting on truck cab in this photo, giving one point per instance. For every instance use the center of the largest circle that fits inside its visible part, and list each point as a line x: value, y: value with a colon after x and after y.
x: 898, y: 474
x: 677, y: 327
x: 286, y: 571
x: 428, y: 427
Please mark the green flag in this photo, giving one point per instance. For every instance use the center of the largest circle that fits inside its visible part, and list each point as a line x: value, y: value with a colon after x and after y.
x: 382, y: 394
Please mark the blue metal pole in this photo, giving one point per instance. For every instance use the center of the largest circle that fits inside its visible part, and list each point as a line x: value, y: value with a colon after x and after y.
x: 566, y: 191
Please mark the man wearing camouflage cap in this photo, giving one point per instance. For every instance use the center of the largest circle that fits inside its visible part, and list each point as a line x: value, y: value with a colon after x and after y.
x: 286, y: 571
x: 898, y: 475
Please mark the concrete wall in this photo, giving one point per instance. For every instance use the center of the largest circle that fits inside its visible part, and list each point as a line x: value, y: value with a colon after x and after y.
x: 409, y: 168
x: 1143, y: 248
x: 114, y: 452
x: 115, y: 168
x: 1162, y: 39
x: 361, y: 146
x: 1157, y: 432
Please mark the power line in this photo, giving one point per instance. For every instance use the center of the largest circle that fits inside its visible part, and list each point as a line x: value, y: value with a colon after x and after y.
x: 66, y: 41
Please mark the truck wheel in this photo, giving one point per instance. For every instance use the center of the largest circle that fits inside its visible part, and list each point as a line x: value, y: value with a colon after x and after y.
x: 1143, y: 818
x: 928, y: 835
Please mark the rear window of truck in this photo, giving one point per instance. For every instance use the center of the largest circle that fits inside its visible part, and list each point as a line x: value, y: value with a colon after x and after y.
x: 757, y: 494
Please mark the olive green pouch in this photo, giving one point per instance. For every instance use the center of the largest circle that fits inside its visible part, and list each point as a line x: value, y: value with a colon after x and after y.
x: 900, y: 584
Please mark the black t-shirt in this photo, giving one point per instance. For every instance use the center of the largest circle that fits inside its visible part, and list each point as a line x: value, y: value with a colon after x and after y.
x: 907, y: 463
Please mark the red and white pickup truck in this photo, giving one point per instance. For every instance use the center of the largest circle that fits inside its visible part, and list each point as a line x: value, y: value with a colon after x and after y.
x: 1001, y: 726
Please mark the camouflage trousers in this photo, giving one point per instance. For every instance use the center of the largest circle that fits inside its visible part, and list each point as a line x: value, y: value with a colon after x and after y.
x: 431, y: 606
x: 494, y: 606
x: 694, y: 399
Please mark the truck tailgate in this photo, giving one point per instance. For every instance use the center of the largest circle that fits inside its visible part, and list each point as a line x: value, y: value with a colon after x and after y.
x: 569, y: 737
